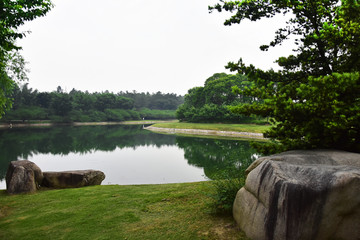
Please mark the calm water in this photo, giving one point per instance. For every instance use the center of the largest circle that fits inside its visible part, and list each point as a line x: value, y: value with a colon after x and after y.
x: 126, y: 154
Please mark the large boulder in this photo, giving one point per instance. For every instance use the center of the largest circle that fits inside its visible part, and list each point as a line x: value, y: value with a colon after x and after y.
x: 301, y: 195
x: 73, y: 179
x: 23, y: 177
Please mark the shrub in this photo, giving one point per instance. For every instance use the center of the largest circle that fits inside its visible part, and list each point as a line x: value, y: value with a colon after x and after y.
x: 79, y: 116
x: 225, y: 192
x: 157, y: 114
x: 97, y: 116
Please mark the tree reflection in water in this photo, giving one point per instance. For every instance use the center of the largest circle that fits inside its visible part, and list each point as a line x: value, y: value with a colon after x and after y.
x: 218, y: 157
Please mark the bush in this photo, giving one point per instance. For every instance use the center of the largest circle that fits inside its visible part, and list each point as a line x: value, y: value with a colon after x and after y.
x: 227, y: 183
x: 114, y: 115
x: 121, y: 115
x: 134, y: 115
x: 225, y: 192
x: 60, y: 119
x: 79, y: 116
x: 97, y: 116
x: 30, y: 113
x: 211, y: 113
x: 157, y: 114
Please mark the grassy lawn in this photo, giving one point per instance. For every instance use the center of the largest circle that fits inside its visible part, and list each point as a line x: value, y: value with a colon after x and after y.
x: 169, y: 211
x: 216, y: 126
x: 147, y: 121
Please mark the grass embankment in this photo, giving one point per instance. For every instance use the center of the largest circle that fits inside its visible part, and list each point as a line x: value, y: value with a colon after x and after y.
x: 251, y: 128
x: 169, y: 211
x: 148, y: 121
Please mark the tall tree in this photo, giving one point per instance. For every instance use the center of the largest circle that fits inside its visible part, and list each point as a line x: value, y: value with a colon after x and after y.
x: 60, y: 103
x: 314, y: 100
x: 211, y: 102
x: 13, y: 14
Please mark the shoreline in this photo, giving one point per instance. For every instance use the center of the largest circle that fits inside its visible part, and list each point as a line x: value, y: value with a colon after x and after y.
x: 50, y: 124
x: 202, y: 132
x: 206, y: 132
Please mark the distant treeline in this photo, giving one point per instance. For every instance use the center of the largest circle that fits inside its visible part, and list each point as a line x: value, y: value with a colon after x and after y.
x: 78, y: 106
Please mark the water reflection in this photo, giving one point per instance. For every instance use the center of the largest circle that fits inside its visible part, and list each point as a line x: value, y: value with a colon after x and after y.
x: 219, y: 158
x: 63, y: 147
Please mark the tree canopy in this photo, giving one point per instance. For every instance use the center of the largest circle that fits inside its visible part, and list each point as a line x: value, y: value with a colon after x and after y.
x: 13, y: 14
x: 211, y: 102
x: 78, y: 106
x: 314, y: 100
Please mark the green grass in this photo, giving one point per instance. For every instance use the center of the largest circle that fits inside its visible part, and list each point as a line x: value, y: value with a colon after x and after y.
x: 147, y: 121
x: 169, y: 211
x: 253, y: 128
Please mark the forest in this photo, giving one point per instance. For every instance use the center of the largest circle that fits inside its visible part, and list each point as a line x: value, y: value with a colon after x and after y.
x: 78, y: 106
x: 210, y: 103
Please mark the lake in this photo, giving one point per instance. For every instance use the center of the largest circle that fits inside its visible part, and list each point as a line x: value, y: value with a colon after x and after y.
x: 127, y: 154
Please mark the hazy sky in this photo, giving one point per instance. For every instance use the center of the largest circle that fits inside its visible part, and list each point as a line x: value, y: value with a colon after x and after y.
x: 143, y: 45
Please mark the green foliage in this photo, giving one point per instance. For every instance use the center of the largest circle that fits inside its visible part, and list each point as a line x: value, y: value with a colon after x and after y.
x: 326, y: 115
x: 206, y: 113
x: 60, y: 104
x: 121, y: 115
x: 158, y: 100
x: 79, y: 116
x: 31, y: 113
x: 109, y: 100
x: 225, y: 192
x: 97, y: 116
x: 211, y: 103
x: 6, y: 86
x: 224, y: 161
x: 313, y: 101
x: 13, y: 14
x: 149, y: 114
x: 81, y: 106
x: 60, y: 119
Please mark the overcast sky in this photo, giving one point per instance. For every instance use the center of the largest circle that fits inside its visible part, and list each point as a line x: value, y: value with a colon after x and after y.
x: 143, y: 45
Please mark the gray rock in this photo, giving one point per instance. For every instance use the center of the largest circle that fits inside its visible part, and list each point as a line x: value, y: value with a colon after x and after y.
x: 23, y: 177
x: 73, y: 179
x: 301, y: 195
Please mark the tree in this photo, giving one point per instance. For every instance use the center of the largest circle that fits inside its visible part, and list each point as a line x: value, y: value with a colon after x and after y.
x: 314, y: 100
x: 195, y: 97
x: 123, y: 102
x: 43, y: 99
x: 60, y: 103
x: 104, y: 101
x: 211, y: 102
x: 13, y: 14
x: 83, y: 101
x: 28, y: 96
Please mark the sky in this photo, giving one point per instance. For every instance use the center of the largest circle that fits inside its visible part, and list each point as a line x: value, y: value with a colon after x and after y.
x: 142, y: 45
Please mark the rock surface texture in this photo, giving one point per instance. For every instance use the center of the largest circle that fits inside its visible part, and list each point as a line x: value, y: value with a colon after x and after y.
x: 301, y: 195
x: 26, y: 177
x: 71, y: 179
x: 23, y: 177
